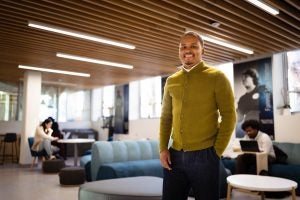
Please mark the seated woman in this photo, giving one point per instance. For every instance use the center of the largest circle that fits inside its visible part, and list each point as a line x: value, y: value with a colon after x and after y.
x: 43, y: 138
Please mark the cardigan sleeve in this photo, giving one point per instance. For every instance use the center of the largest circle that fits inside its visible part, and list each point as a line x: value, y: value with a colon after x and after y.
x: 225, y: 102
x: 165, y: 120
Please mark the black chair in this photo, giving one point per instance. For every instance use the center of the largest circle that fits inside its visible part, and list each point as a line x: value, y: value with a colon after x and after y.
x: 35, y: 154
x: 12, y: 139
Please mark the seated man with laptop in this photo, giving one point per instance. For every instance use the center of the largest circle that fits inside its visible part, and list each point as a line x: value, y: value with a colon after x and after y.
x: 253, y: 141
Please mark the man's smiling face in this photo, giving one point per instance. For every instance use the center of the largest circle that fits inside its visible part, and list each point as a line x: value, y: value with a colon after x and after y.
x: 190, y: 51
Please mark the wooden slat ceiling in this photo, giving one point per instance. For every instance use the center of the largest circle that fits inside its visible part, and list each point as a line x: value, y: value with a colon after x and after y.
x: 153, y: 26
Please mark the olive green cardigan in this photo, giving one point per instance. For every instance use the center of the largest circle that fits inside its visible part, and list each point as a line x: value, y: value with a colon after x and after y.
x: 192, y: 104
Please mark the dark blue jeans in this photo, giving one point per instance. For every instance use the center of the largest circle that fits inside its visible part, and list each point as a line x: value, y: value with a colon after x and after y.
x: 198, y: 170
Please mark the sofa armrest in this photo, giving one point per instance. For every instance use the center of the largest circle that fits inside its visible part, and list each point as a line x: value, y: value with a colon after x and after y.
x: 85, y: 162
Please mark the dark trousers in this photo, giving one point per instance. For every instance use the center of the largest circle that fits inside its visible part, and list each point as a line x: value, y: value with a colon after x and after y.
x: 245, y: 161
x: 198, y: 170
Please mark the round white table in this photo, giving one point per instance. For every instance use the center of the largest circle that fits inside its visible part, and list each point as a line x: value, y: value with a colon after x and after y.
x: 76, y: 141
x: 261, y: 184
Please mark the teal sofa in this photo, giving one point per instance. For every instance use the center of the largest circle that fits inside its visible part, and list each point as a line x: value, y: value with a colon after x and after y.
x: 117, y: 159
x: 289, y: 170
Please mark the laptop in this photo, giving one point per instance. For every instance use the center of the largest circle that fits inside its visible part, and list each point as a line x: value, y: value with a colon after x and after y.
x: 249, y: 146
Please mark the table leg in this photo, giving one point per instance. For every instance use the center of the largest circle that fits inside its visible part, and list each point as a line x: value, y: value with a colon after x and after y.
x: 75, y: 154
x: 229, y: 188
x: 293, y: 194
x: 262, y: 193
x: 261, y: 162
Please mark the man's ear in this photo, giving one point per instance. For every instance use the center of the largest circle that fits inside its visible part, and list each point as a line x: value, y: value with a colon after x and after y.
x: 202, y: 50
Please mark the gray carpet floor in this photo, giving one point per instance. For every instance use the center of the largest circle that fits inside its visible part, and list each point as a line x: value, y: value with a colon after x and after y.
x: 25, y: 183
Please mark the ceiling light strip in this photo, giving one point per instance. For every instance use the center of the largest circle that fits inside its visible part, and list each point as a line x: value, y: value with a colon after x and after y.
x: 79, y: 35
x: 226, y: 44
x: 53, y: 71
x: 91, y: 60
x: 264, y: 6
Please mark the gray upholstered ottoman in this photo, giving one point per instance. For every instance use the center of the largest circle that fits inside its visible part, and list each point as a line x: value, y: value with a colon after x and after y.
x: 53, y: 166
x: 130, y: 188
x: 72, y: 176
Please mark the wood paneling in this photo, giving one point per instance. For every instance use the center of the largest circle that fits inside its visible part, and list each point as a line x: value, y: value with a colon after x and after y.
x: 153, y: 26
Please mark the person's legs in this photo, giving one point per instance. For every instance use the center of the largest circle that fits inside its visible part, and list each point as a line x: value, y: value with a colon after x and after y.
x: 243, y: 162
x: 46, y: 144
x: 175, y: 183
x: 54, y: 149
x: 50, y: 149
x: 202, y: 168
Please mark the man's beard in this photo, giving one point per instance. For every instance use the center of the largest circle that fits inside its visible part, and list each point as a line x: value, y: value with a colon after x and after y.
x: 188, y: 63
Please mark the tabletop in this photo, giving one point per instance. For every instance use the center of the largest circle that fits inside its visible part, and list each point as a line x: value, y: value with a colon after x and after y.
x: 76, y: 140
x: 261, y: 183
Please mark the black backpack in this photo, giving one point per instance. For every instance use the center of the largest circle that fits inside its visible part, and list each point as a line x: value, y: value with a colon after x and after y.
x: 281, y: 156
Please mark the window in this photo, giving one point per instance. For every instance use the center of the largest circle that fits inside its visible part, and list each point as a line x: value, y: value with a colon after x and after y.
x: 108, y: 101
x: 74, y: 105
x: 150, y: 97
x: 48, y: 104
x: 134, y: 94
x: 97, y: 104
x: 8, y: 102
x: 227, y: 69
x: 293, y: 60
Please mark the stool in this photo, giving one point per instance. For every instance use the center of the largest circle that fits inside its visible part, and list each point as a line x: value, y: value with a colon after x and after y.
x: 129, y: 188
x: 10, y: 138
x: 72, y: 176
x: 53, y: 166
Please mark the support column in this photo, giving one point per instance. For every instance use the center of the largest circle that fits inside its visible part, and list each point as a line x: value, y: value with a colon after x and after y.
x: 31, y: 108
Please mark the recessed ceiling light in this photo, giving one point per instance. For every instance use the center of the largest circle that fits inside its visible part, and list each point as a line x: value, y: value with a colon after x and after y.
x: 92, y: 60
x: 215, y: 24
x: 79, y: 35
x: 53, y: 71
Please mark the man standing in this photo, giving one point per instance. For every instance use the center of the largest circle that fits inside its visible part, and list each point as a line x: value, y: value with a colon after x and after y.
x: 194, y: 99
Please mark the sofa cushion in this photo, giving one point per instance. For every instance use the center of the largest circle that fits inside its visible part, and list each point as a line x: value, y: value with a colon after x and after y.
x: 292, y: 150
x: 104, y: 152
x: 281, y: 156
x: 289, y: 171
x: 130, y: 168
